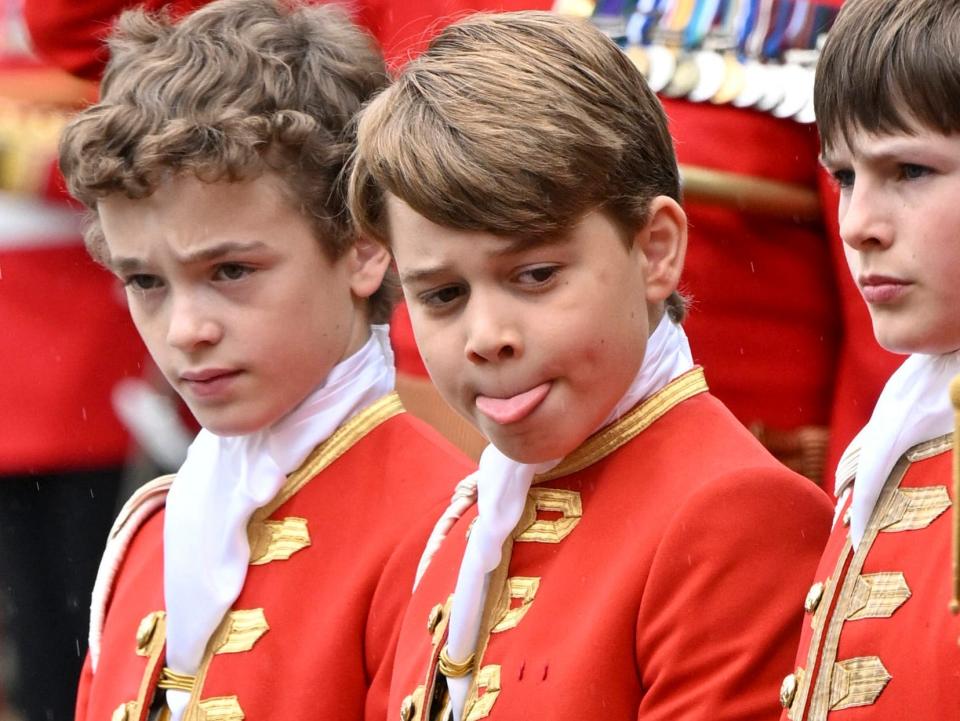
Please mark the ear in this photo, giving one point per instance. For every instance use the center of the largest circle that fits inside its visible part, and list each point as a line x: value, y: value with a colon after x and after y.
x: 663, y: 242
x: 369, y: 261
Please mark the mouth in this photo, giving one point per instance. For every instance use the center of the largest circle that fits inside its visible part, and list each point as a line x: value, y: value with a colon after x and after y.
x: 878, y: 289
x: 208, y: 382
x: 512, y: 409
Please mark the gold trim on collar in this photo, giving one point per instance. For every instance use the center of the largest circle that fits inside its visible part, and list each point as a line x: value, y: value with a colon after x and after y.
x: 343, y: 439
x: 607, y: 440
x: 931, y: 448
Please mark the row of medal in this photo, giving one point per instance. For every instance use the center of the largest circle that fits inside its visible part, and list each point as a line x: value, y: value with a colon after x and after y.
x: 757, y: 54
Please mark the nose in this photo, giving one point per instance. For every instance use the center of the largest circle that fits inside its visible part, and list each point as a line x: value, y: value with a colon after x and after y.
x: 493, y: 333
x: 191, y: 325
x: 863, y: 217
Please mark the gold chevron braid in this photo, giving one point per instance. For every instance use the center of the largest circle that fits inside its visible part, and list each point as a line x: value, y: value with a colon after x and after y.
x: 335, y: 446
x: 955, y: 399
x: 609, y: 439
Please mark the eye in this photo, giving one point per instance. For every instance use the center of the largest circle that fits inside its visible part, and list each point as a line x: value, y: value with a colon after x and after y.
x: 142, y: 282
x: 444, y: 297
x: 232, y: 271
x: 538, y: 275
x: 912, y: 171
x: 844, y: 177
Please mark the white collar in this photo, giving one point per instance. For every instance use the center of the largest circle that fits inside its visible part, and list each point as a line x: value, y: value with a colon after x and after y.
x: 225, y: 479
x: 502, y: 486
x: 913, y: 407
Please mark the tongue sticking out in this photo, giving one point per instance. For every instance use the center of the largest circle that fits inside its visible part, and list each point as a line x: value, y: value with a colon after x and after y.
x: 515, y: 408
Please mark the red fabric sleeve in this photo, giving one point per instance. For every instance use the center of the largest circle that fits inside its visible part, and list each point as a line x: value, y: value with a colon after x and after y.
x: 713, y: 642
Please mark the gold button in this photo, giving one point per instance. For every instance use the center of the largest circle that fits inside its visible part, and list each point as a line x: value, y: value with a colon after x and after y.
x: 814, y: 595
x: 846, y: 517
x: 433, y: 620
x: 145, y: 631
x: 120, y: 713
x: 788, y: 690
x: 407, y: 709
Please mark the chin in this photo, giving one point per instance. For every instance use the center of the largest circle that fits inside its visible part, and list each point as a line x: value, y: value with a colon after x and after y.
x: 525, y: 451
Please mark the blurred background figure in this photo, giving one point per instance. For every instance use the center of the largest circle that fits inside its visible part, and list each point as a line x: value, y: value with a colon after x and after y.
x: 66, y: 340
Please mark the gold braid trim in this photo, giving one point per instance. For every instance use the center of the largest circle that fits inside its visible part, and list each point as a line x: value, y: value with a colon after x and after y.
x: 170, y: 679
x: 343, y: 439
x: 606, y: 441
x: 450, y: 668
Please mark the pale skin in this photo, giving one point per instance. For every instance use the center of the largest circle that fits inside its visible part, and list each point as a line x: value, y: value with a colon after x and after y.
x: 237, y: 302
x: 535, y: 345
x: 900, y: 223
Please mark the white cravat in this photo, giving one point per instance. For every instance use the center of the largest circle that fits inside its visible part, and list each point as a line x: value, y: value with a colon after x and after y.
x: 225, y: 479
x: 913, y: 407
x: 502, y: 486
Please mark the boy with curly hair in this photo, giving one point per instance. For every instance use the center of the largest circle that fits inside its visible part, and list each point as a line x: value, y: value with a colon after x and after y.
x: 620, y: 552
x: 266, y: 579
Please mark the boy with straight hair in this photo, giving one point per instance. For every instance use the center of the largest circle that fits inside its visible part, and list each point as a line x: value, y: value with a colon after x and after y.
x: 267, y: 578
x: 881, y: 643
x: 626, y: 549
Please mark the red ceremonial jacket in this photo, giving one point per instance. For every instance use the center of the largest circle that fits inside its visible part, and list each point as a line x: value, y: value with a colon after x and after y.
x: 879, y: 642
x: 655, y: 575
x: 332, y: 563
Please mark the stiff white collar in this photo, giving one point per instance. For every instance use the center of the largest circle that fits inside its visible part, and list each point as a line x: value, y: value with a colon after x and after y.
x: 913, y: 407
x: 225, y: 479
x: 502, y: 486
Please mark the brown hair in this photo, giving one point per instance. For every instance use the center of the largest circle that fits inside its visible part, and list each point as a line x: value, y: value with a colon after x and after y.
x: 515, y: 124
x: 887, y: 66
x: 235, y: 89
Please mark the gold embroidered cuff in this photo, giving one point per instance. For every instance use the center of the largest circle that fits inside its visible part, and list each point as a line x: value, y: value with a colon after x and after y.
x: 451, y: 669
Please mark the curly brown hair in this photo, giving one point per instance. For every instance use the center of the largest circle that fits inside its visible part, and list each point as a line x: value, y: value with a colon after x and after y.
x: 235, y: 89
x: 516, y: 124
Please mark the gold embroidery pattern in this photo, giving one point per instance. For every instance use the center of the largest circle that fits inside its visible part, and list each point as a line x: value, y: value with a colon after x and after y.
x: 524, y: 589
x: 277, y: 540
x: 857, y: 682
x: 151, y: 638
x: 335, y: 446
x: 483, y: 694
x: 220, y: 708
x: 442, y: 621
x: 931, y: 448
x: 532, y: 529
x: 818, y: 622
x: 914, y: 508
x: 878, y: 595
x: 609, y: 439
x: 244, y: 629
x: 822, y: 693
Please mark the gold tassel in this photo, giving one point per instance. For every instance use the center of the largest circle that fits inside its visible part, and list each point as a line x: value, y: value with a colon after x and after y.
x: 955, y: 399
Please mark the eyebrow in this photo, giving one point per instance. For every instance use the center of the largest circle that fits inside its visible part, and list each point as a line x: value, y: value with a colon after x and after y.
x: 885, y: 151
x: 512, y: 247
x: 132, y: 265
